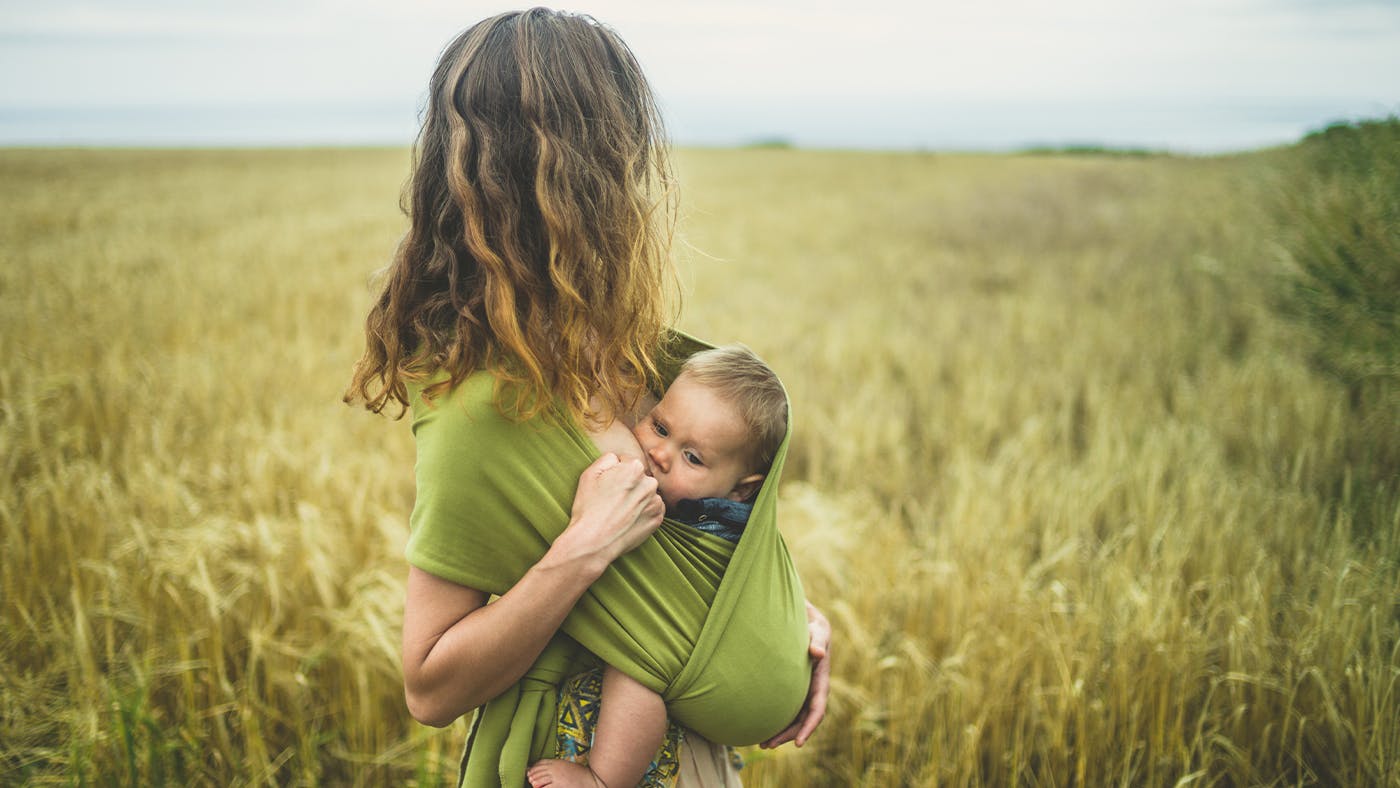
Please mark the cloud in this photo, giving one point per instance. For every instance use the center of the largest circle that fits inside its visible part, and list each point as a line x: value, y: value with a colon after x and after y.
x: 722, y: 53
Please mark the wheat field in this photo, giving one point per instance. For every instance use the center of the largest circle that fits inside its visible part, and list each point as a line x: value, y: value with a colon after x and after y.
x: 1079, y: 503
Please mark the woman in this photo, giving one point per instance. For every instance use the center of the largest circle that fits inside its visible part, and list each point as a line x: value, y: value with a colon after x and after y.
x: 524, y: 311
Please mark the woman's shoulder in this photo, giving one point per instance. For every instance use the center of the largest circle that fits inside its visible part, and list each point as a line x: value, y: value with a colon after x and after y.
x: 429, y: 399
x: 474, y: 418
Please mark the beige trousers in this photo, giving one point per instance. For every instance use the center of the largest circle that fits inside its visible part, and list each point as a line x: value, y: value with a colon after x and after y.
x: 705, y: 765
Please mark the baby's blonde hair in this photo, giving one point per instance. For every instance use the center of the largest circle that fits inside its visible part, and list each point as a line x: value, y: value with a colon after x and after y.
x: 739, y: 376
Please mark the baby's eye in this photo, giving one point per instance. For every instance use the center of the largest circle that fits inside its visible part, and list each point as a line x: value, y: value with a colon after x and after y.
x: 659, y: 428
x: 692, y: 458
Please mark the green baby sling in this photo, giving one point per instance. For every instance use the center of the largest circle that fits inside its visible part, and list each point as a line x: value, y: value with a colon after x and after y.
x: 718, y: 629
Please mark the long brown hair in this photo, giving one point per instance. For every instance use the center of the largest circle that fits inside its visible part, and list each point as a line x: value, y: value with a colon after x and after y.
x: 541, y: 208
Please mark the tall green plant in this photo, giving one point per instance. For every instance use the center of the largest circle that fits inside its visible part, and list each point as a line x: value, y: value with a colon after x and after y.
x: 1341, y: 214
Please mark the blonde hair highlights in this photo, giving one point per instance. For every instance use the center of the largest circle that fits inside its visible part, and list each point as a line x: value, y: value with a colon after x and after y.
x: 541, y: 210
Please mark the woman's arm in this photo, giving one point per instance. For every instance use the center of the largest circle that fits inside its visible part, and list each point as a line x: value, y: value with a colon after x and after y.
x: 459, y: 652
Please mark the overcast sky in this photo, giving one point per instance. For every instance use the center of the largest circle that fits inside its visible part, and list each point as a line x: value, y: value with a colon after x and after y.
x: 1188, y: 74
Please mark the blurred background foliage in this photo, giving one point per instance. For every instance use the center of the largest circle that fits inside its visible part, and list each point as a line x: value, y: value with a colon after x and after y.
x: 1339, y: 209
x: 1094, y: 466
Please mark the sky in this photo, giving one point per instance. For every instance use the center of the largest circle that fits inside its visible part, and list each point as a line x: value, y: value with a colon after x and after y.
x: 1186, y: 75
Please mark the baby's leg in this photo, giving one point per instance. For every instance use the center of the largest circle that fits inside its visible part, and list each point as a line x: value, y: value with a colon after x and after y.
x: 631, y: 727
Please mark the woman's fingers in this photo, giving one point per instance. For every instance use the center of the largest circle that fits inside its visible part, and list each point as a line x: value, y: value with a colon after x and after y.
x: 616, y: 504
x: 819, y: 647
x: 818, y: 633
x: 786, y: 735
x: 603, y: 463
x: 815, y: 707
x: 611, y: 480
x: 640, y: 491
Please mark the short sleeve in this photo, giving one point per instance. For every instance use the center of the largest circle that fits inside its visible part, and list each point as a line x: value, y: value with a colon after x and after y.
x: 491, y: 494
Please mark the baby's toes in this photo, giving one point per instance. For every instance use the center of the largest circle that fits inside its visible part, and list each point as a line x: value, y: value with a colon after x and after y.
x: 538, y: 775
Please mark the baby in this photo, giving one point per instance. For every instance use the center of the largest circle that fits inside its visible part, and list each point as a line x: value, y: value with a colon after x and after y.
x: 709, y: 443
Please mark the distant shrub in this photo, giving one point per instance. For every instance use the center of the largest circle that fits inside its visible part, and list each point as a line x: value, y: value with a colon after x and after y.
x: 1342, y: 232
x: 771, y: 143
x: 1091, y: 149
x: 1340, y: 208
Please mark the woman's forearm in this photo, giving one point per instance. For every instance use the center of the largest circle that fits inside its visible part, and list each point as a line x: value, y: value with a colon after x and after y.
x: 459, y: 652
x: 455, y: 661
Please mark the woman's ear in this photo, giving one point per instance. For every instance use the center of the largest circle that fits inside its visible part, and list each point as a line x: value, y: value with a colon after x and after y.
x: 745, y: 488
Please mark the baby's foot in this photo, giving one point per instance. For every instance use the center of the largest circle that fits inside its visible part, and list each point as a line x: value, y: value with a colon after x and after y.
x: 563, y: 774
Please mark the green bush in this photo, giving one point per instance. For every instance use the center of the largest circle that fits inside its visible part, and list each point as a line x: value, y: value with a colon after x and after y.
x: 1342, y: 217
x: 1340, y: 208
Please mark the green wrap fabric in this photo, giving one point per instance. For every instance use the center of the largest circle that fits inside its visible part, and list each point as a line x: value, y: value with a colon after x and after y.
x: 718, y: 629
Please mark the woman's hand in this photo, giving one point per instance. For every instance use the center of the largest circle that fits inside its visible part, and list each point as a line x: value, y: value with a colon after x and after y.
x: 615, y: 509
x: 814, y: 708
x: 459, y: 652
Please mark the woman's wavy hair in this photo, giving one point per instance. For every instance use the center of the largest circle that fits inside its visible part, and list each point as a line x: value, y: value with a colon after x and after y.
x: 541, y: 210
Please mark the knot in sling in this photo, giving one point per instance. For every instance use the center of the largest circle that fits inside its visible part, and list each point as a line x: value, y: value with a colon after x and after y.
x: 718, y: 629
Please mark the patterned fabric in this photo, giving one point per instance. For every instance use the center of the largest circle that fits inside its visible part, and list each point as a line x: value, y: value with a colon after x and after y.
x: 579, y: 700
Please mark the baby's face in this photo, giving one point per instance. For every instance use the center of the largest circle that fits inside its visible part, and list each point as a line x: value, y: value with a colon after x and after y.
x: 694, y: 443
